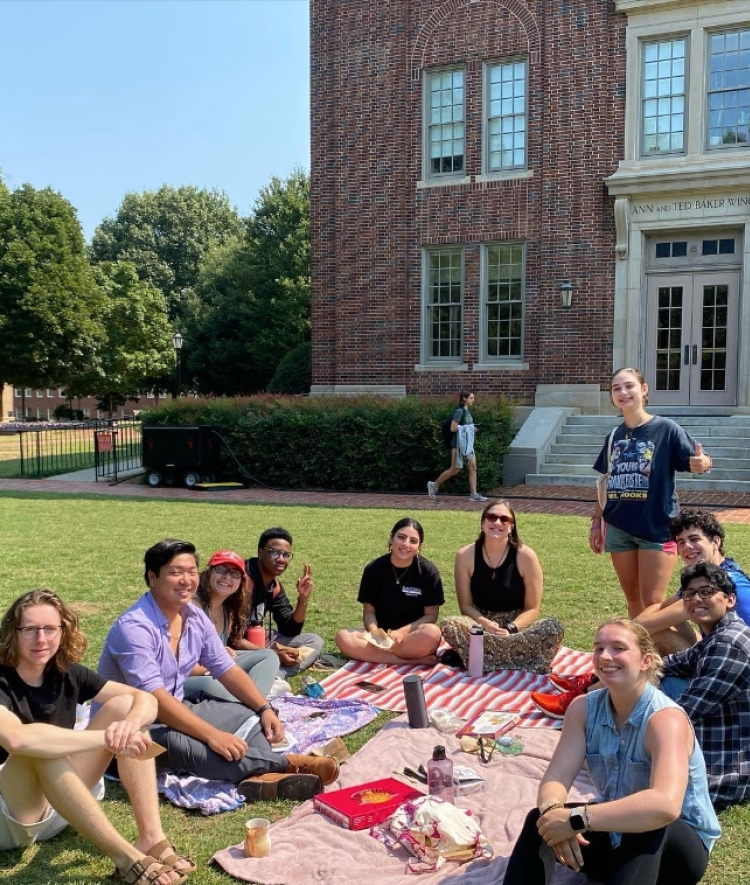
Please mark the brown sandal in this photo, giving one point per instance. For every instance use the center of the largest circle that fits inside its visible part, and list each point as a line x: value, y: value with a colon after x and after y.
x: 166, y: 853
x: 146, y: 871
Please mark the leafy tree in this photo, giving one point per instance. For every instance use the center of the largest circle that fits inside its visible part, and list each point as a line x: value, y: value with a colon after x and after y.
x: 294, y: 373
x: 48, y: 298
x: 166, y: 235
x: 252, y: 299
x: 138, y: 337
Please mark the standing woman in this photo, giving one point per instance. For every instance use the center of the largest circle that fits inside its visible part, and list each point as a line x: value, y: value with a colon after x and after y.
x: 401, y: 594
x: 462, y: 449
x: 223, y: 594
x: 646, y: 450
x: 499, y: 586
x: 652, y: 821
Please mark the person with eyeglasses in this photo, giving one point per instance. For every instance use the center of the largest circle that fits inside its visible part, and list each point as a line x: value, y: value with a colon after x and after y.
x: 499, y: 585
x: 51, y: 772
x: 223, y: 594
x: 711, y: 680
x: 155, y: 644
x: 296, y: 650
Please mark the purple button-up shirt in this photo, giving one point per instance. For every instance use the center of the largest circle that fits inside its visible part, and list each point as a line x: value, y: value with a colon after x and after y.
x: 137, y: 651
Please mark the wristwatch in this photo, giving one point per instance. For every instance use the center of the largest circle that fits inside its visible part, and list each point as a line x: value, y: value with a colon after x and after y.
x: 577, y: 821
x: 511, y: 628
x: 261, y: 710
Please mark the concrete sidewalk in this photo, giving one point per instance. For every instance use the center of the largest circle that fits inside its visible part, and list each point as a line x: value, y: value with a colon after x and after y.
x: 560, y: 500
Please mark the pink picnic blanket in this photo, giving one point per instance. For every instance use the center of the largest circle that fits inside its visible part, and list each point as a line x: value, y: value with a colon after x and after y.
x: 447, y: 688
x: 309, y: 849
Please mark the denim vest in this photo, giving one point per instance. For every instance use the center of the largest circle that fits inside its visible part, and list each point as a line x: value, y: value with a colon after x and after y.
x: 619, y: 763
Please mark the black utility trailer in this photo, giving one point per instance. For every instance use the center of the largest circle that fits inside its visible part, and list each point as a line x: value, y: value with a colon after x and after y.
x: 181, y: 454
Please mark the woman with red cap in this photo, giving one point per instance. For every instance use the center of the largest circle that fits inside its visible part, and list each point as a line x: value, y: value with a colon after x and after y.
x: 223, y: 594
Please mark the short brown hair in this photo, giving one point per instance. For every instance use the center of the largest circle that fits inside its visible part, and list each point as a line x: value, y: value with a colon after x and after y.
x: 72, y: 640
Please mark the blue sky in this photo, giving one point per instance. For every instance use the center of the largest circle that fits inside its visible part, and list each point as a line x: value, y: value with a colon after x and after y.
x: 102, y: 97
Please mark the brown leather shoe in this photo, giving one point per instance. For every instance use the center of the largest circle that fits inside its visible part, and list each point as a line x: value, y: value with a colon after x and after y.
x: 326, y: 767
x: 295, y: 786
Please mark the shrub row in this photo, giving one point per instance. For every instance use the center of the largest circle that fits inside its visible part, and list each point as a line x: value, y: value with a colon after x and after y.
x: 364, y: 443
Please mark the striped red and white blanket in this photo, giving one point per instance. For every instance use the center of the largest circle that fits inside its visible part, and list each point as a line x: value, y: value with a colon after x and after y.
x: 447, y: 688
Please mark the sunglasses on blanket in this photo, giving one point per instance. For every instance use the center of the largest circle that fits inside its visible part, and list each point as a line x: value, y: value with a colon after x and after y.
x: 498, y: 517
x: 486, y: 748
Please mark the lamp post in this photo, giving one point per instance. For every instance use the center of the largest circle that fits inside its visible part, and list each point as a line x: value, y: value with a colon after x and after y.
x: 177, y: 344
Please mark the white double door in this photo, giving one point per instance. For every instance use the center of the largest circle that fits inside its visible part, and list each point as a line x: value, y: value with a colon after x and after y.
x: 692, y: 338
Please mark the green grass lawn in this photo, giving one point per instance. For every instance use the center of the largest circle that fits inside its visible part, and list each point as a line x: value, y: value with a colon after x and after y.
x: 91, y: 552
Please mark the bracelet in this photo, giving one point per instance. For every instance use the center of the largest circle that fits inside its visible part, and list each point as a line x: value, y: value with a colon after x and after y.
x: 512, y: 628
x: 303, y: 604
x: 595, y: 527
x: 587, y: 828
x: 551, y: 808
x: 262, y: 709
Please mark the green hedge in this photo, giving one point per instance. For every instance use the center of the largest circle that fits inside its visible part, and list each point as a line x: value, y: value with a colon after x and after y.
x: 294, y: 372
x: 364, y: 443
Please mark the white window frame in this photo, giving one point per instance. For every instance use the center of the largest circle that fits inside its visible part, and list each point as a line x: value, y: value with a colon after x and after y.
x: 487, y: 108
x: 427, y: 127
x: 18, y: 392
x: 486, y: 304
x: 429, y: 306
x: 643, y: 152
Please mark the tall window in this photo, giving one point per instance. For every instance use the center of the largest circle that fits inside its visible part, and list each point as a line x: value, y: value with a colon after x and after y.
x: 663, y: 105
x: 506, y: 116
x: 729, y: 89
x: 503, y: 297
x: 443, y: 303
x: 445, y: 126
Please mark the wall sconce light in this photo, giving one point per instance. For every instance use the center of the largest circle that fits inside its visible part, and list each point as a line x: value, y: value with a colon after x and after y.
x: 566, y: 293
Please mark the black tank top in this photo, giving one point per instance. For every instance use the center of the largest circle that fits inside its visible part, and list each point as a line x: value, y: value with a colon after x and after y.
x: 503, y: 593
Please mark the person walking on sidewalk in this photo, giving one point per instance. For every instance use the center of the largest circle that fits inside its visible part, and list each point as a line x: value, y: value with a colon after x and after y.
x: 462, y: 449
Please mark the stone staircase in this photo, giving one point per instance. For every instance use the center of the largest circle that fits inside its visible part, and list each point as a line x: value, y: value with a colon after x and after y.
x: 725, y: 438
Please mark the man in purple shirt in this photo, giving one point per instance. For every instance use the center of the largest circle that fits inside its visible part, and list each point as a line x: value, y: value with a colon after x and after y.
x: 154, y: 646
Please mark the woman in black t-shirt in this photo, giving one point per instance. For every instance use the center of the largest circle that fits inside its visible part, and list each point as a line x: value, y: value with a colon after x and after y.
x: 401, y: 594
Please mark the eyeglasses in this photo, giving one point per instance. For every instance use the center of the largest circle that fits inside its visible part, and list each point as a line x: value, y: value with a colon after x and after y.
x: 498, y: 517
x: 234, y: 573
x: 486, y: 748
x: 279, y: 554
x: 703, y: 592
x: 30, y: 632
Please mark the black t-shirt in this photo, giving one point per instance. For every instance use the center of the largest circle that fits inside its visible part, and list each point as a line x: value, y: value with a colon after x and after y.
x: 54, y: 701
x: 399, y: 604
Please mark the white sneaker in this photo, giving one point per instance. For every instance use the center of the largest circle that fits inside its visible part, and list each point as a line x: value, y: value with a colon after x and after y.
x: 432, y: 490
x: 475, y: 496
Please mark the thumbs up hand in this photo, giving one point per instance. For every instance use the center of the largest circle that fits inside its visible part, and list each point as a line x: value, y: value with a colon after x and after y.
x: 700, y: 462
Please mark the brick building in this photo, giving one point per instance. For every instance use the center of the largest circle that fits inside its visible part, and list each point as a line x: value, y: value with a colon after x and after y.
x: 475, y: 163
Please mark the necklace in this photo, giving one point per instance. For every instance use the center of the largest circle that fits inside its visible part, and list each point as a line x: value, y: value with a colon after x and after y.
x: 496, y: 565
x: 400, y: 577
x: 629, y: 430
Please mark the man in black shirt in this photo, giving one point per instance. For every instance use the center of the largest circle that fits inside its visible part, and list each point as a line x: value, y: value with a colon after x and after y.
x: 50, y: 773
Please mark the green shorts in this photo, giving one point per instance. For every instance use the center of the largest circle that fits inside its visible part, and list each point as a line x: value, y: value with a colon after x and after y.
x: 618, y: 541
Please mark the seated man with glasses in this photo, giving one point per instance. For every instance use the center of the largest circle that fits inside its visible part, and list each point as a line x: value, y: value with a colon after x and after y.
x: 51, y: 773
x: 711, y: 681
x: 296, y: 650
x: 155, y: 645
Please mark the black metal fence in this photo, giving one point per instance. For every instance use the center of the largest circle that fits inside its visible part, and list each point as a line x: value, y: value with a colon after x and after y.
x: 46, y: 450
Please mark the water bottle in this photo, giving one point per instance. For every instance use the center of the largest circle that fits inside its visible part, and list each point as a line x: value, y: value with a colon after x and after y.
x: 256, y: 634
x: 416, y: 707
x: 476, y: 650
x: 440, y: 775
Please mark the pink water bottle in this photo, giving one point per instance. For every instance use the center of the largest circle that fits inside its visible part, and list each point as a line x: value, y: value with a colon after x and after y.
x: 256, y: 634
x: 476, y: 650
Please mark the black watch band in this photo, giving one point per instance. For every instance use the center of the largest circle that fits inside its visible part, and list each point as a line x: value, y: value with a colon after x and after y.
x: 511, y: 628
x: 261, y: 710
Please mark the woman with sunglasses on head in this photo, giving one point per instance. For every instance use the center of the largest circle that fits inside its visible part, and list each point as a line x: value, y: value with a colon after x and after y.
x: 639, y: 459
x: 499, y: 586
x: 401, y: 594
x: 223, y: 593
x: 652, y: 822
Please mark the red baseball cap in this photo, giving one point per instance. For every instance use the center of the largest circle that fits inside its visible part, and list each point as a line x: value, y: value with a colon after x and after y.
x: 227, y: 557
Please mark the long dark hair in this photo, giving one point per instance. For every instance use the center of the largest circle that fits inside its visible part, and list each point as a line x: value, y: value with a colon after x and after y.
x: 638, y: 377
x: 237, y: 603
x: 513, y: 540
x: 463, y: 395
x: 72, y: 641
x: 404, y: 522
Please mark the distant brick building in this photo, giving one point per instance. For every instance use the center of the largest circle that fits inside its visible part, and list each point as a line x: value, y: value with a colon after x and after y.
x: 474, y: 162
